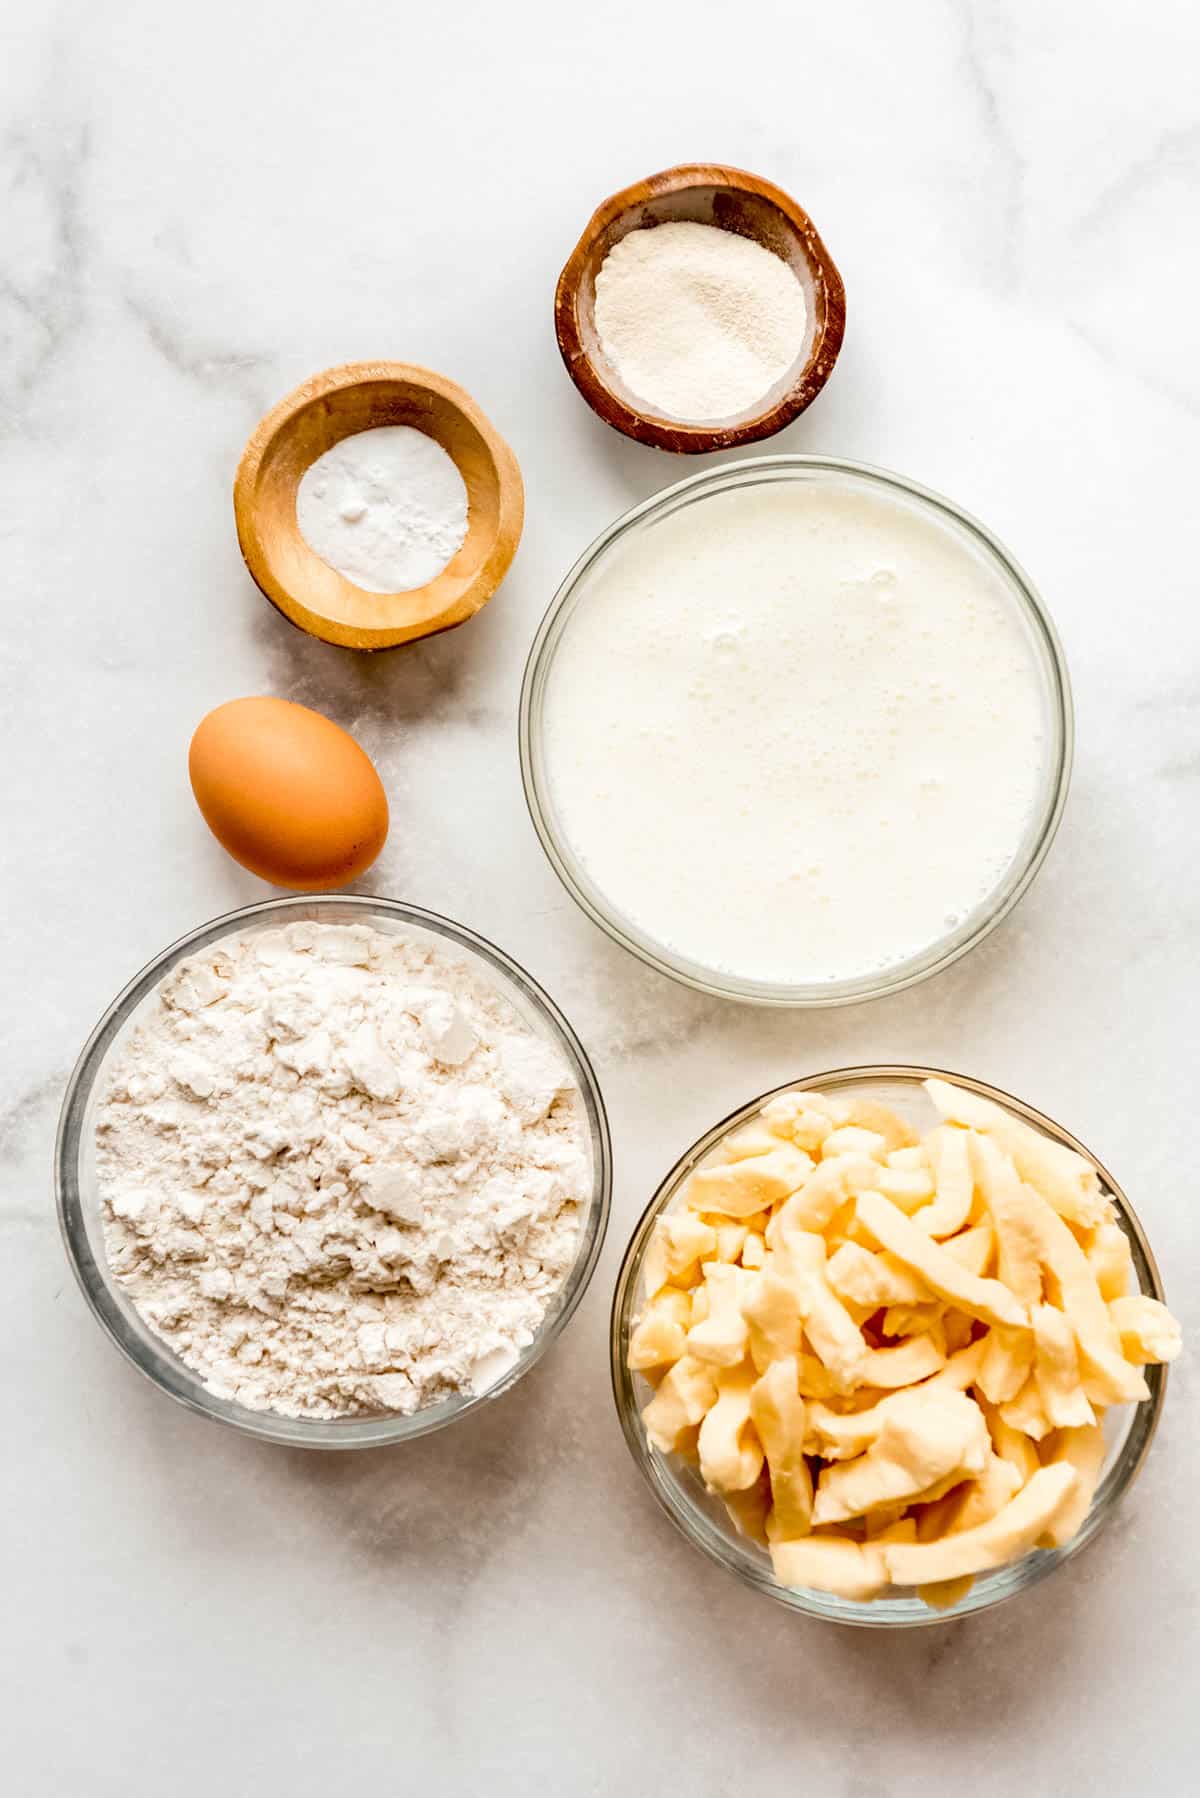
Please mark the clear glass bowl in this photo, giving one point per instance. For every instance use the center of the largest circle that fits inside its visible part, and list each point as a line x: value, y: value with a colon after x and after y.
x: 79, y: 1208
x: 702, y: 1517
x: 1058, y: 730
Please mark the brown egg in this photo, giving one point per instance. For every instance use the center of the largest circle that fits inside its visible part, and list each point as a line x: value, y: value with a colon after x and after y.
x: 289, y: 794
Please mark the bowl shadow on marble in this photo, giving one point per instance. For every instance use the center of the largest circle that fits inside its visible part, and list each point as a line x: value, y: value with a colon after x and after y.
x: 429, y: 679
x: 447, y: 1501
x: 854, y: 1691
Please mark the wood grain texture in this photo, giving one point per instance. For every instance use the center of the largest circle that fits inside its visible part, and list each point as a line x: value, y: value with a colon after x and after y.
x: 338, y: 403
x: 709, y: 194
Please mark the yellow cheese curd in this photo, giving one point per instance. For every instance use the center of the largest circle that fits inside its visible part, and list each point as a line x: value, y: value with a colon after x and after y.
x: 891, y: 1358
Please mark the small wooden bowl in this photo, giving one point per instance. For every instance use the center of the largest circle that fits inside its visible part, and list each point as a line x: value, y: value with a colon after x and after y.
x: 336, y: 404
x: 709, y: 194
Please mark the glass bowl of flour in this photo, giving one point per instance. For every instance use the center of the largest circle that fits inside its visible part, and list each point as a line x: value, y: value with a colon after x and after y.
x: 334, y: 1171
x: 796, y: 731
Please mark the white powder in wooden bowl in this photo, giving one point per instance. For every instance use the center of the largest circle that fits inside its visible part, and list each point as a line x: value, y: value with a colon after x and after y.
x: 386, y: 507
x: 698, y: 322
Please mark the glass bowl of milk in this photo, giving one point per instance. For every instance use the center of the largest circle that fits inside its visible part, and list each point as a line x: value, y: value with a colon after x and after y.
x: 796, y: 731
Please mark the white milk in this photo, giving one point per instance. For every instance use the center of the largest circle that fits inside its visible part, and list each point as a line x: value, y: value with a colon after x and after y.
x: 795, y: 732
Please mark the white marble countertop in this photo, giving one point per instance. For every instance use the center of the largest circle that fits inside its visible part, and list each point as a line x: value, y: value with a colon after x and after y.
x: 203, y: 206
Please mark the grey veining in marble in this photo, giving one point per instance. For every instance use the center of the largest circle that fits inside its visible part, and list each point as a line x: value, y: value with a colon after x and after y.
x: 200, y: 207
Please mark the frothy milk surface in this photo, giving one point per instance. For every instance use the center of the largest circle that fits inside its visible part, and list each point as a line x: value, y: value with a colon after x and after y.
x: 795, y: 732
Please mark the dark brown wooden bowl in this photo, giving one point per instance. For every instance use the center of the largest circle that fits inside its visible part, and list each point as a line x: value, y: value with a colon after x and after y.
x: 708, y: 194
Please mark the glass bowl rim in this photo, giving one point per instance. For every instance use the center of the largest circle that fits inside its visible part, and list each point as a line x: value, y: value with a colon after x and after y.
x: 157, y: 1362
x: 941, y: 954
x: 718, y: 1543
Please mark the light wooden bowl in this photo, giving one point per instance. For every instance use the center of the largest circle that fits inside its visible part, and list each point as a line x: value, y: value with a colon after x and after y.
x: 336, y: 404
x: 709, y: 194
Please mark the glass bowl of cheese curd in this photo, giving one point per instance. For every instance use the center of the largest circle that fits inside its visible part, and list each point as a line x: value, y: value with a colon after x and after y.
x: 662, y: 1418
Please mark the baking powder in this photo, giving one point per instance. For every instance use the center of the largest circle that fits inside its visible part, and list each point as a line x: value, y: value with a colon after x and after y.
x: 339, y: 1173
x: 387, y: 508
x: 698, y: 322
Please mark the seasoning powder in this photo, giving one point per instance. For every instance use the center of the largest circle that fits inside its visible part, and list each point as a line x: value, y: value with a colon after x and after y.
x: 698, y: 322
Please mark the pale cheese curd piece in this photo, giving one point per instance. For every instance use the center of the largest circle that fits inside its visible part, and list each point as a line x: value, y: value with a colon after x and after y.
x: 972, y: 1249
x: 1012, y: 1532
x: 686, y: 1394
x: 721, y: 1337
x: 1068, y: 1182
x: 870, y: 1114
x: 1026, y: 1411
x: 1146, y: 1329
x: 823, y: 1193
x: 660, y: 1336
x: 740, y: 1188
x: 982, y: 1298
x: 654, y: 1272
x: 816, y: 1381
x: 752, y: 1139
x: 1108, y: 1378
x: 897, y: 1529
x: 777, y: 1412
x: 985, y: 1495
x: 731, y: 1456
x: 748, y: 1511
x: 909, y: 1188
x: 905, y: 1364
x: 832, y: 1333
x: 954, y: 1184
x: 1014, y: 1210
x: 942, y: 1594
x: 924, y: 1438
x: 1007, y: 1364
x: 791, y: 1117
x: 730, y: 1238
x: 852, y: 1139
x: 1056, y: 1367
x: 916, y: 1320
x: 687, y: 1241
x: 863, y: 1278
x: 1085, y: 1450
x: 838, y: 1111
x: 1013, y: 1446
x: 754, y: 1249
x: 957, y: 1328
x: 1111, y: 1260
x: 771, y: 1309
x: 854, y: 1570
x: 911, y: 1159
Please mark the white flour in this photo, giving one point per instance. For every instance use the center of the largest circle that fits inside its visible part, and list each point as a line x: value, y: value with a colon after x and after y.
x: 698, y: 322
x: 339, y: 1173
x: 387, y: 508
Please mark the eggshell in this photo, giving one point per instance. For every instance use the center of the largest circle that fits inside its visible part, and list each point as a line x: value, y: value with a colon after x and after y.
x: 288, y: 793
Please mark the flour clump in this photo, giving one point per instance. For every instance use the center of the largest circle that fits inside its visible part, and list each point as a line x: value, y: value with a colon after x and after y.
x: 339, y: 1173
